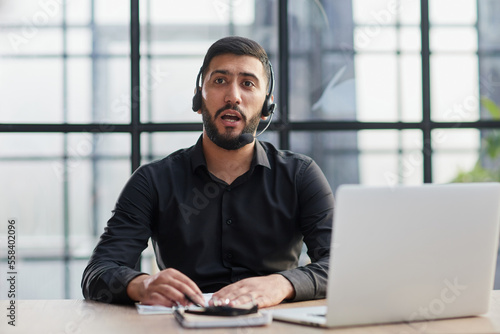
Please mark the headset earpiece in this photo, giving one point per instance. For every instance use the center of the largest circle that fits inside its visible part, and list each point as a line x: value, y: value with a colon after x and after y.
x: 268, y: 107
x: 197, y: 95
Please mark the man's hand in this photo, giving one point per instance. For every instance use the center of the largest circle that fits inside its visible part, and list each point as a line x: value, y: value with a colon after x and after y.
x: 164, y: 288
x: 265, y: 291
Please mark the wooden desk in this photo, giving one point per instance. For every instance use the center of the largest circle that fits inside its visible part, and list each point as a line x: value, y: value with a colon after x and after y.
x: 79, y: 316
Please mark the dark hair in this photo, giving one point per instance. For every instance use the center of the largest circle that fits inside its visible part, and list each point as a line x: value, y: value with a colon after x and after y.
x: 240, y: 46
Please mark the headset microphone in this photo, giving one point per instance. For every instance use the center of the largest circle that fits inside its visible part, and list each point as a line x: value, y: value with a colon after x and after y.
x: 247, y: 138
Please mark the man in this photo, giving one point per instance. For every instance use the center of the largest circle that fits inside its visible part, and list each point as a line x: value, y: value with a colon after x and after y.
x: 227, y: 215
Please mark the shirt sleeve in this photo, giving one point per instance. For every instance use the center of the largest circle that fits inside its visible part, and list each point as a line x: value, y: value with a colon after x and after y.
x: 115, y: 258
x: 316, y: 220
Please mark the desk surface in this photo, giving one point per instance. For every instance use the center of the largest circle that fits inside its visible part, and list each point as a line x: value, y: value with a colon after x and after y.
x: 79, y: 316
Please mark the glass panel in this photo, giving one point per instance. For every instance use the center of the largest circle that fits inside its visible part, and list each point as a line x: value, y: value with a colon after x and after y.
x: 112, y: 12
x: 454, y: 88
x: 110, y: 178
x: 382, y: 12
x: 410, y: 39
x: 76, y: 268
x: 40, y: 280
x: 368, y: 38
x: 78, y: 12
x: 374, y: 11
x: 32, y: 14
x: 32, y: 193
x: 335, y: 152
x: 453, y: 39
x: 456, y: 139
x: 159, y: 145
x: 452, y: 11
x: 94, y: 186
x: 269, y: 136
x: 488, y: 24
x: 221, y: 12
x: 321, y: 76
x: 148, y: 260
x: 85, y: 145
x: 112, y: 39
x: 111, y: 90
x: 89, y: 183
x: 489, y: 83
x: 33, y: 93
x: 456, y: 155
x: 46, y: 41
x: 409, y: 11
x: 81, y: 185
x: 374, y: 38
x: 467, y: 156
x: 79, y: 41
x: 451, y: 166
x: 376, y: 88
x: 410, y: 88
x: 390, y: 157
x: 79, y: 90
x: 23, y: 145
x: 489, y: 47
x: 169, y: 102
x: 382, y: 168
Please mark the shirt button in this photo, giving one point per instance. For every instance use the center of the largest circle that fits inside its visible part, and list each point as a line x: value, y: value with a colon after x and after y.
x: 229, y: 221
x: 229, y: 255
x: 228, y: 189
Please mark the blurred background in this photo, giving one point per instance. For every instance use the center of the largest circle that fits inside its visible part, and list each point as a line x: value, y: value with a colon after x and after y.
x: 378, y: 92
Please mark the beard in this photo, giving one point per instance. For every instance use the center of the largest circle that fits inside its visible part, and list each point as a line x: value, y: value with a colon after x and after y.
x: 229, y: 140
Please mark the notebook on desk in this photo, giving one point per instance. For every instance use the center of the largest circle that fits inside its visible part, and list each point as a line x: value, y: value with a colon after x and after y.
x: 408, y: 253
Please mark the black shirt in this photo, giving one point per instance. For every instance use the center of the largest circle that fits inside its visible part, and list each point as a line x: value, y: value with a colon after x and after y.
x: 216, y: 233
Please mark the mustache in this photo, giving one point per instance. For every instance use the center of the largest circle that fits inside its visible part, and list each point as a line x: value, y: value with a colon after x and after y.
x: 230, y: 106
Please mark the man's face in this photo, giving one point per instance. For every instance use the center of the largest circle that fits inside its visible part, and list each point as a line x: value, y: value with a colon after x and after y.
x: 234, y: 89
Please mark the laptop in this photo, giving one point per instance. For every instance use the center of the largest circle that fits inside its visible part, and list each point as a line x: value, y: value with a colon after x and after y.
x: 408, y: 253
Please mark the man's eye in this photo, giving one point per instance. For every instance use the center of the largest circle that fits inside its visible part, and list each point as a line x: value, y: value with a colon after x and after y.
x: 248, y: 84
x: 219, y: 80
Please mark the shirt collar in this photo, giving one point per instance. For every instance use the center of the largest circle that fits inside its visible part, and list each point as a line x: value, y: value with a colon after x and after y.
x: 259, y: 157
x: 197, y: 157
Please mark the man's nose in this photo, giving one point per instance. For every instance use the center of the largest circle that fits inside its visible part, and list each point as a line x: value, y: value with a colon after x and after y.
x: 233, y: 95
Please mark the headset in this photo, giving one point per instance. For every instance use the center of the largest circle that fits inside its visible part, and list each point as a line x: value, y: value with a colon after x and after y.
x: 267, y: 108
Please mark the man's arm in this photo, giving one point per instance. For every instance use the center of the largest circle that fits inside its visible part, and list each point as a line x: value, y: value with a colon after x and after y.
x: 316, y: 221
x: 115, y: 258
x: 111, y: 275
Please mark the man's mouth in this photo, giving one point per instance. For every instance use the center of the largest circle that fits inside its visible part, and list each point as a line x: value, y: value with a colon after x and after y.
x: 231, y: 117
